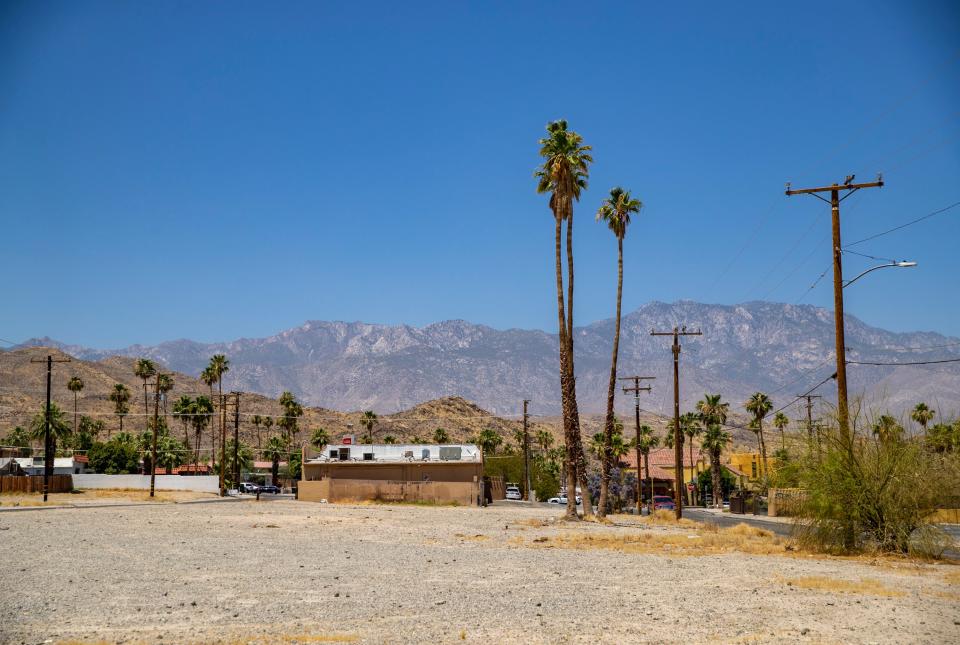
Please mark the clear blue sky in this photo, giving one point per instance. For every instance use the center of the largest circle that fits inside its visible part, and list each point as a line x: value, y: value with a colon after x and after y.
x: 216, y: 170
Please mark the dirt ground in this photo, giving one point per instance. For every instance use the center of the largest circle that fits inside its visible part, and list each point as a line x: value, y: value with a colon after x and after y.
x: 297, y: 572
x: 88, y: 497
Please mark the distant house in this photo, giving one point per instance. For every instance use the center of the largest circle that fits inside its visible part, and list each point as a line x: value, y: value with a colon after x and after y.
x: 76, y: 465
x: 393, y: 472
x: 663, y: 460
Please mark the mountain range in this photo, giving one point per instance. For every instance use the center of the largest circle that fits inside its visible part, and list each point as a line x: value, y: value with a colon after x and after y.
x: 780, y: 349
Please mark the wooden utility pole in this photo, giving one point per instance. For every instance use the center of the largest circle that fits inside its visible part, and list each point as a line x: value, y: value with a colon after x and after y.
x: 236, y: 441
x: 223, y: 445
x: 809, y: 398
x: 843, y: 412
x: 677, y: 437
x: 636, y: 389
x: 526, y: 450
x: 48, y: 455
x: 156, y: 425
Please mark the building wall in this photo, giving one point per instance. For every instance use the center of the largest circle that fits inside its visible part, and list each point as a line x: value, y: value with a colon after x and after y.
x: 464, y: 472
x: 197, y: 483
x: 749, y: 463
x: 357, y: 490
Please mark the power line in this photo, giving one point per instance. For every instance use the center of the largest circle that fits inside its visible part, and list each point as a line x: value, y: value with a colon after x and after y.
x: 946, y: 360
x: 897, y: 228
x: 814, y: 285
x: 871, y: 257
x: 921, y: 347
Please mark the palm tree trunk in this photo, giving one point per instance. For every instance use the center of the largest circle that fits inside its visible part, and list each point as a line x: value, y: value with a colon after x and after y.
x: 275, y: 470
x: 693, y: 493
x: 146, y: 407
x: 763, y: 455
x: 75, y: 413
x: 570, y: 456
x: 715, y: 478
x: 646, y: 464
x: 605, y: 464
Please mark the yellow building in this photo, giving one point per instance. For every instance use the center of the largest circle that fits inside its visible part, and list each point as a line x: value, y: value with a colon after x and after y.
x: 749, y: 463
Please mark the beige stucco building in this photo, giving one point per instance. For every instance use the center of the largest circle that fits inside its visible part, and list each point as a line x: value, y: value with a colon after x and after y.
x: 448, y: 474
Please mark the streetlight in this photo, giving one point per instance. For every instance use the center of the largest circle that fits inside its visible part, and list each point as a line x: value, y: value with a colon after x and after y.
x: 902, y: 264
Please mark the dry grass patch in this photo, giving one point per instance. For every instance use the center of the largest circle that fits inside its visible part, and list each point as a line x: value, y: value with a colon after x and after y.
x: 293, y: 639
x: 705, y: 541
x: 952, y: 578
x: 118, y: 495
x: 836, y: 585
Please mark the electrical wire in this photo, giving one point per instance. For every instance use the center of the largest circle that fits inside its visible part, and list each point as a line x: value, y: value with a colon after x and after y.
x: 814, y: 285
x: 946, y: 360
x: 872, y: 257
x: 902, y: 226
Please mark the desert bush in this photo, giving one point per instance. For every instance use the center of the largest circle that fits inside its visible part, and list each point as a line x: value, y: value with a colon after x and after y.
x: 873, y: 492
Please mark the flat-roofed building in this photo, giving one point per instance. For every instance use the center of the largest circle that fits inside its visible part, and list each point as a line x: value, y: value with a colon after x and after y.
x: 443, y: 474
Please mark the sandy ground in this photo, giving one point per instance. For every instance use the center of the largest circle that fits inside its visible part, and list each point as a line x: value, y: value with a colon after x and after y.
x: 285, y: 571
x: 91, y: 497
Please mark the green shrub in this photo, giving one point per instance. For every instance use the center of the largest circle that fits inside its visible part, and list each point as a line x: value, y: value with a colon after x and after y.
x: 873, y: 493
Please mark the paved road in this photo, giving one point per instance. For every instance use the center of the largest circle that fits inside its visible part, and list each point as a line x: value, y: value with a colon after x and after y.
x: 784, y: 528
x: 726, y: 520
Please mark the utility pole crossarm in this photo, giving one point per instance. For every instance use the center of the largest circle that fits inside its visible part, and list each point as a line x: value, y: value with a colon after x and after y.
x: 827, y: 189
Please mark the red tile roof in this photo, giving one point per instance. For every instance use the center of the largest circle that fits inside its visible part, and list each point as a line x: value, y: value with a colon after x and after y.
x: 661, y: 457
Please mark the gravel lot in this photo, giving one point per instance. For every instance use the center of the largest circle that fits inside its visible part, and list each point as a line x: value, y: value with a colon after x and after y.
x: 286, y: 571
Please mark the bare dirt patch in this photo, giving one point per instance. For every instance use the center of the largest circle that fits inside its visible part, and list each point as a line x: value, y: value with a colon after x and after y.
x: 295, y: 572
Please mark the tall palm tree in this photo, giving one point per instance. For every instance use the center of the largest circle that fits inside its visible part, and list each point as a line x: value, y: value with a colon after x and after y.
x: 165, y: 382
x: 275, y: 450
x: 75, y: 385
x: 292, y: 411
x: 209, y: 377
x: 759, y: 405
x: 201, y: 415
x: 922, y: 415
x: 267, y: 424
x: 59, y: 426
x: 368, y: 420
x: 218, y: 366
x: 564, y: 175
x: 120, y: 395
x: 544, y: 440
x: 780, y: 421
x: 320, y: 439
x: 715, y: 439
x: 182, y: 409
x: 646, y: 441
x: 615, y: 212
x: 256, y: 420
x: 441, y: 436
x: 145, y: 369
x: 712, y: 410
x: 691, y: 429
x: 489, y: 440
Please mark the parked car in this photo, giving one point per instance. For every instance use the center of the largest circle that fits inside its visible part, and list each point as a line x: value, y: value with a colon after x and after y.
x: 248, y: 487
x: 270, y: 488
x: 563, y: 500
x: 663, y: 502
x: 513, y: 492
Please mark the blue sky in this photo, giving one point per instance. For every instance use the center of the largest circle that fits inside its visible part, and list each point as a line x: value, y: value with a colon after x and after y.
x: 217, y: 170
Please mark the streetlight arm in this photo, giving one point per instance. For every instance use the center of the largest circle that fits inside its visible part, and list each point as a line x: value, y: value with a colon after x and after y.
x: 879, y: 266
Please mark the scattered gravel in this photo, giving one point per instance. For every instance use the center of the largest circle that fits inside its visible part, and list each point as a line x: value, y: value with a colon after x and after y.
x: 294, y: 571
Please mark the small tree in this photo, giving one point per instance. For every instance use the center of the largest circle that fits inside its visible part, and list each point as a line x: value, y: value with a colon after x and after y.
x: 59, y: 426
x: 489, y: 440
x: 320, y: 439
x: 441, y: 436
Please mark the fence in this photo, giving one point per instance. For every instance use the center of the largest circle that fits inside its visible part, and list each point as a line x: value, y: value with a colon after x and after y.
x: 197, y: 483
x: 34, y: 484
